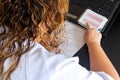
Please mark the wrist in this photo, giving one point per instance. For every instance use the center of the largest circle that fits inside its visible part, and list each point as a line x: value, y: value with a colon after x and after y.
x: 93, y: 44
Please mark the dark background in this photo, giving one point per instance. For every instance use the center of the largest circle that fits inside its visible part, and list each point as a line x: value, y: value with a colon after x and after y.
x: 111, y: 43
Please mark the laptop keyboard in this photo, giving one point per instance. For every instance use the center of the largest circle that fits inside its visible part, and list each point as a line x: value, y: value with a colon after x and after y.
x: 103, y: 7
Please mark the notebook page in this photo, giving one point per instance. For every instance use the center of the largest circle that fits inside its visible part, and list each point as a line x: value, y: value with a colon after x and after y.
x: 75, y: 35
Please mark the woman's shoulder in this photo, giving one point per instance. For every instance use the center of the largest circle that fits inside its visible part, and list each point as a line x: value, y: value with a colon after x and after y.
x: 40, y: 64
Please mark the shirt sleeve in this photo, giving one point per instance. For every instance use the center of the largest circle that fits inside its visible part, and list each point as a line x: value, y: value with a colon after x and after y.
x: 105, y: 76
x: 71, y: 70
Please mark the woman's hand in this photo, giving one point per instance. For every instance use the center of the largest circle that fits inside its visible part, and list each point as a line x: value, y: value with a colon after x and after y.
x: 92, y: 36
x: 98, y: 59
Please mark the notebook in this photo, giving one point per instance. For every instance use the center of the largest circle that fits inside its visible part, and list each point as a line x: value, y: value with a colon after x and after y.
x: 106, y: 8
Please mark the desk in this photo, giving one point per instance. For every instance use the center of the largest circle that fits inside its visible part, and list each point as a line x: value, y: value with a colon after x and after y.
x: 110, y: 44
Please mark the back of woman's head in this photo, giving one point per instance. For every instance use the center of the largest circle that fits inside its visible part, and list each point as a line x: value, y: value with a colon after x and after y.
x: 31, y: 20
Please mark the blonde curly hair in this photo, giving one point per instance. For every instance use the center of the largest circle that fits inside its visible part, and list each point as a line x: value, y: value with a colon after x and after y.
x: 34, y: 20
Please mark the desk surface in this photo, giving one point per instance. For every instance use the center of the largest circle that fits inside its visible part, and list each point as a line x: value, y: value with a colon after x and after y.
x: 111, y: 44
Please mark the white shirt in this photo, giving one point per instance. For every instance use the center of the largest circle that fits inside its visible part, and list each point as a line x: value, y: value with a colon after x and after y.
x: 39, y: 64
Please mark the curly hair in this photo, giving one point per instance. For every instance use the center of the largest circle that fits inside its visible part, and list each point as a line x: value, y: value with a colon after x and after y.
x: 29, y: 20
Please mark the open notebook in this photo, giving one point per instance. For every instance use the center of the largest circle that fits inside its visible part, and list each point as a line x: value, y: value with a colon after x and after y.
x: 75, y: 35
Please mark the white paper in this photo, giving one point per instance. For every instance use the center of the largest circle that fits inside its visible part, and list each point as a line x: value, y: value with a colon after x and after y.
x: 94, y: 19
x: 75, y: 35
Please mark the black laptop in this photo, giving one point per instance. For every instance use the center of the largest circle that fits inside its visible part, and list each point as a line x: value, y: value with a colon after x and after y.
x: 107, y: 8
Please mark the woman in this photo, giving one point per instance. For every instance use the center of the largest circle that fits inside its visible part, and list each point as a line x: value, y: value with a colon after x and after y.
x: 30, y: 30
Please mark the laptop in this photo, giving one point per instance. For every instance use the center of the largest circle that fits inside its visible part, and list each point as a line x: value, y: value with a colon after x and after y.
x: 107, y: 8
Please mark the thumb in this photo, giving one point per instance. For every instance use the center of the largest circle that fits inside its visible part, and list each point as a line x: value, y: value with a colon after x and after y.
x: 88, y: 26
